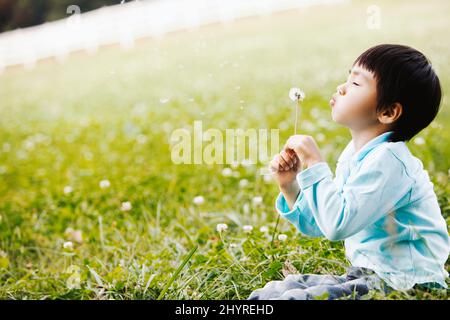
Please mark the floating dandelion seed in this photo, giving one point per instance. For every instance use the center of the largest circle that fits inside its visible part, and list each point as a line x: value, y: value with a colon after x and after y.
x: 221, y: 227
x: 296, y: 95
x: 247, y: 228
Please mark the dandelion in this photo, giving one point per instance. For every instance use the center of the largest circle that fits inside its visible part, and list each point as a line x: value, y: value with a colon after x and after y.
x: 264, y: 229
x: 68, y: 245
x: 67, y: 189
x: 104, y: 184
x: 419, y: 141
x: 282, y: 237
x: 257, y: 200
x: 243, y: 183
x: 221, y: 227
x: 296, y: 95
x: 247, y: 228
x: 226, y: 172
x: 126, y: 206
x: 198, y: 200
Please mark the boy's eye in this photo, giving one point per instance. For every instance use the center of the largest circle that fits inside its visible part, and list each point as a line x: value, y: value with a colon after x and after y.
x: 356, y: 84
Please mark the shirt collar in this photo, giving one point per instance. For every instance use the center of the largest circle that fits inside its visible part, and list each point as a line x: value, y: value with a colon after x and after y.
x: 349, y: 151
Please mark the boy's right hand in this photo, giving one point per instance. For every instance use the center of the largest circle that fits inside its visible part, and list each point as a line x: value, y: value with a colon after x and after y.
x: 284, y: 167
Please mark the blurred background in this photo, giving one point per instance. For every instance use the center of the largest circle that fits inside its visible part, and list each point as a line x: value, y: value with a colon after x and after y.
x: 91, y: 205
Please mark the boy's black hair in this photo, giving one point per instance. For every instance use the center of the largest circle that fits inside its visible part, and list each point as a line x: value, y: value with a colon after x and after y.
x: 404, y: 75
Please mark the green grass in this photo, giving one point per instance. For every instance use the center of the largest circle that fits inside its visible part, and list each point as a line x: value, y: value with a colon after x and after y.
x: 100, y: 117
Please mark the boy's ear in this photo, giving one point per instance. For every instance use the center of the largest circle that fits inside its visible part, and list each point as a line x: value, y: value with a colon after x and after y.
x: 391, y: 113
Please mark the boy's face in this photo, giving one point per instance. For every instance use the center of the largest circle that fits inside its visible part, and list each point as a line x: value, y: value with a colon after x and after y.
x: 354, y: 105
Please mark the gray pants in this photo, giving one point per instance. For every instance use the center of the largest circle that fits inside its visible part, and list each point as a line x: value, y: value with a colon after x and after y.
x: 356, y: 282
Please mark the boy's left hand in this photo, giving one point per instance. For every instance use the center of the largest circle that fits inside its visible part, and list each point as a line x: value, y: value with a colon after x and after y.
x: 306, y: 149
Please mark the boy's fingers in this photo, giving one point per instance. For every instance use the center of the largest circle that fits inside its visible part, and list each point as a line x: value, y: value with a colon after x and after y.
x: 287, y: 158
x: 283, y: 163
x: 274, y: 165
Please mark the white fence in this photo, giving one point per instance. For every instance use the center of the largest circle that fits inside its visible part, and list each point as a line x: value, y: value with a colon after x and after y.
x: 124, y: 23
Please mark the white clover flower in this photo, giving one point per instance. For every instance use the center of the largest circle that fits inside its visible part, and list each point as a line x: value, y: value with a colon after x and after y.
x: 198, y: 200
x: 67, y: 189
x: 243, y: 183
x: 264, y: 229
x: 257, y: 200
x: 68, y: 245
x: 282, y: 237
x: 247, y: 228
x: 295, y: 94
x: 226, y: 172
x: 221, y: 227
x: 104, y: 184
x: 126, y: 206
x: 419, y: 141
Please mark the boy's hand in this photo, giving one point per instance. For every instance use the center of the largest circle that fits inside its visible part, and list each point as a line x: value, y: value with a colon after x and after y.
x: 305, y: 148
x: 284, y: 167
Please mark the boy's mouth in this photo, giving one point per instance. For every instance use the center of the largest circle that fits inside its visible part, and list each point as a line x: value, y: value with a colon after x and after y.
x: 332, y: 101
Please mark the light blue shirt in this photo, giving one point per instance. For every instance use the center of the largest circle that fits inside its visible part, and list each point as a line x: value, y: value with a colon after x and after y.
x: 382, y: 203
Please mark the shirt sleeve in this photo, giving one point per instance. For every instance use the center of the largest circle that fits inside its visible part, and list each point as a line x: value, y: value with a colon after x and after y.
x: 368, y: 194
x: 300, y: 215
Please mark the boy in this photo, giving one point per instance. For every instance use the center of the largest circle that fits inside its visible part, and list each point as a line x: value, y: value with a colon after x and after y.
x: 381, y: 201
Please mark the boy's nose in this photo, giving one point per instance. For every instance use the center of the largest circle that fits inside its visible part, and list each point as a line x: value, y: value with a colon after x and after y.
x: 341, y: 89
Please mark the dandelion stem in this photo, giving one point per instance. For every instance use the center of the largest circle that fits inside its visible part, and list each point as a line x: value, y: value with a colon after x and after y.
x: 296, y: 117
x: 275, y: 230
x: 180, y: 267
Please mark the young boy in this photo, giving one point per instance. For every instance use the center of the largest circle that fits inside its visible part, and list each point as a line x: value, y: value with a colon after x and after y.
x: 381, y: 201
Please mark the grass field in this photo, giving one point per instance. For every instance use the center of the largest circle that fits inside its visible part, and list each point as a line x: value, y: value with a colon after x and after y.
x: 110, y: 116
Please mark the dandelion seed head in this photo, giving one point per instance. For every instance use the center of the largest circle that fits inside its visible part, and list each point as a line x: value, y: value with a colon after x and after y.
x: 104, y: 184
x: 295, y: 94
x: 68, y: 245
x: 126, y: 206
x: 67, y: 189
x: 221, y: 227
